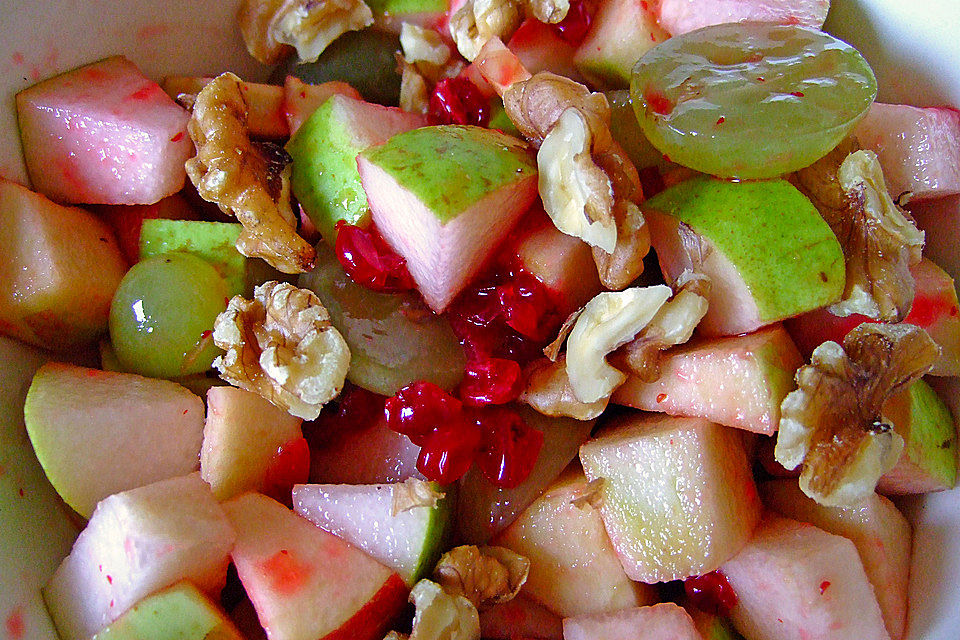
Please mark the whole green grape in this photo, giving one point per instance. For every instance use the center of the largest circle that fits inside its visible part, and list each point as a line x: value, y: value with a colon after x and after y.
x: 162, y: 315
x: 750, y: 100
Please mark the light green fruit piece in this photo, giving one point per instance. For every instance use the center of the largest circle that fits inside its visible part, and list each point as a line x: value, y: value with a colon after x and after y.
x: 394, y: 8
x: 215, y: 242
x: 622, y: 31
x: 450, y: 168
x: 782, y: 250
x: 180, y: 612
x: 499, y: 119
x: 750, y: 100
x: 627, y: 132
x: 162, y: 315
x: 394, y: 340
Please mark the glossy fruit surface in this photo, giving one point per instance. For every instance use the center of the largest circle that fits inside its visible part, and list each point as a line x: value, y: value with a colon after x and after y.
x: 162, y: 315
x: 458, y: 101
x: 711, y: 593
x: 369, y: 261
x: 490, y: 381
x: 449, y: 452
x: 419, y: 409
x: 750, y: 100
x: 509, y: 447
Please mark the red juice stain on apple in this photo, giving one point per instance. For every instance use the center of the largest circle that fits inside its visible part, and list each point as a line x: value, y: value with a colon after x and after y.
x: 17, y: 58
x: 14, y: 624
x: 824, y: 586
x: 287, y: 575
x: 928, y: 309
x: 144, y: 93
x: 178, y: 137
x: 661, y: 397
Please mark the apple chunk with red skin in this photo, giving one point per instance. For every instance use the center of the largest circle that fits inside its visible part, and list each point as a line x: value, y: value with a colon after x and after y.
x: 677, y: 498
x: 59, y: 269
x: 767, y: 251
x: 444, y: 197
x: 305, y: 583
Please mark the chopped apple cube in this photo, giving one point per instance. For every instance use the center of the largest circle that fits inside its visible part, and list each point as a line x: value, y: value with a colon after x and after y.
x: 665, y: 621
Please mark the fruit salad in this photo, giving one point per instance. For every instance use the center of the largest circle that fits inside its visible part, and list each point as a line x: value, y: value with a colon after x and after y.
x: 494, y: 319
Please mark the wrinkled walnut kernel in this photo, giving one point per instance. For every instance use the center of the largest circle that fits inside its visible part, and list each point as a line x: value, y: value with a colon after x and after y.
x: 549, y: 11
x: 440, y: 615
x: 547, y: 390
x: 414, y: 493
x: 480, y: 20
x: 486, y: 576
x: 833, y: 422
x: 237, y: 175
x: 282, y: 346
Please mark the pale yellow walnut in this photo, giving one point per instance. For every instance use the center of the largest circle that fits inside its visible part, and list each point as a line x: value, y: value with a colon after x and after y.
x: 282, y: 346
x: 576, y: 193
x: 243, y: 180
x: 414, y: 94
x: 548, y: 391
x: 486, y: 576
x: 608, y: 321
x: 833, y: 422
x: 414, y: 493
x: 479, y: 20
x: 271, y: 27
x: 440, y: 615
x: 425, y: 50
x: 880, y: 242
x: 549, y: 11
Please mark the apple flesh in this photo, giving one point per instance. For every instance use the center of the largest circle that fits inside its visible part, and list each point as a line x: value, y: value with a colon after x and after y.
x: 103, y: 134
x: 484, y: 510
x: 767, y: 251
x: 300, y: 99
x: 682, y: 16
x: 324, y: 151
x: 409, y: 542
x: 796, y: 582
x: 540, y: 48
x: 180, y: 612
x: 940, y: 221
x: 348, y: 457
x: 919, y: 149
x: 444, y: 197
x: 878, y: 530
x: 55, y: 287
x: 288, y: 567
x: 678, y: 497
x: 738, y: 381
x: 665, y: 621
x: 126, y: 220
x: 78, y: 419
x: 574, y: 569
x: 520, y: 618
x: 241, y: 438
x: 136, y: 543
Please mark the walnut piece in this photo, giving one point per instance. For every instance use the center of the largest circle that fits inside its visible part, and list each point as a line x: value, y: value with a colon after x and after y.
x: 440, y: 615
x: 548, y: 391
x: 281, y: 345
x: 271, y: 27
x: 673, y: 325
x: 576, y: 193
x: 486, y: 576
x: 833, y: 424
x: 479, y: 20
x: 534, y: 105
x: 414, y: 94
x: 425, y: 49
x: 242, y: 179
x: 880, y: 243
x: 414, y: 493
x: 549, y: 11
x: 609, y: 320
x: 619, y: 268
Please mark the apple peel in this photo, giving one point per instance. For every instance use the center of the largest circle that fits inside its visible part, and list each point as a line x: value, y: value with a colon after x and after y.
x: 833, y: 423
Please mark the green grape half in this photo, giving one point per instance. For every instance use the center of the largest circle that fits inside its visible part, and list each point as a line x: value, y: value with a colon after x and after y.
x: 393, y: 338
x: 750, y: 100
x: 162, y: 315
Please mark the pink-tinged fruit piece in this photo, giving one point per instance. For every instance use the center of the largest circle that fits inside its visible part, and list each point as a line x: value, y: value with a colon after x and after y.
x: 520, y: 617
x: 681, y: 16
x: 665, y: 621
x: 919, y: 149
x: 103, y: 134
x: 796, y: 582
x: 300, y: 99
x: 344, y: 457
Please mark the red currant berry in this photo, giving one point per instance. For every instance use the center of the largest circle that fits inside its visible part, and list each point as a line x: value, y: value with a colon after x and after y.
x: 458, y: 101
x: 711, y: 593
x: 509, y: 448
x: 448, y: 452
x: 573, y: 28
x: 369, y: 260
x: 527, y: 305
x: 419, y: 409
x: 490, y: 381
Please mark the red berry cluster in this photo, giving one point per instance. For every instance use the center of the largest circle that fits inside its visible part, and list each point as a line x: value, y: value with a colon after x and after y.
x: 458, y: 101
x: 452, y: 437
x: 711, y: 593
x: 369, y: 260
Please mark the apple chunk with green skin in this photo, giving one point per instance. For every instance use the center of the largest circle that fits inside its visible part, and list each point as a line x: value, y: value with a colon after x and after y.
x: 573, y: 567
x: 408, y: 542
x: 767, y: 251
x: 444, y: 197
x: 241, y: 438
x: 737, y: 381
x: 665, y: 621
x: 180, y: 612
x: 305, y: 583
x: 215, y: 242
x: 929, y: 459
x: 79, y: 418
x: 324, y: 151
x: 878, y: 530
x: 796, y: 582
x: 678, y: 497
x: 59, y: 268
x: 136, y: 543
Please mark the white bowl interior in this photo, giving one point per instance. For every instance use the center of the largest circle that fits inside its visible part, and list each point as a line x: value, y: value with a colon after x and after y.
x: 914, y: 48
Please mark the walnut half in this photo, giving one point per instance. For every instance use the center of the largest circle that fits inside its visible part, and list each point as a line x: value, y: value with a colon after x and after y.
x: 282, y: 346
x: 833, y: 422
